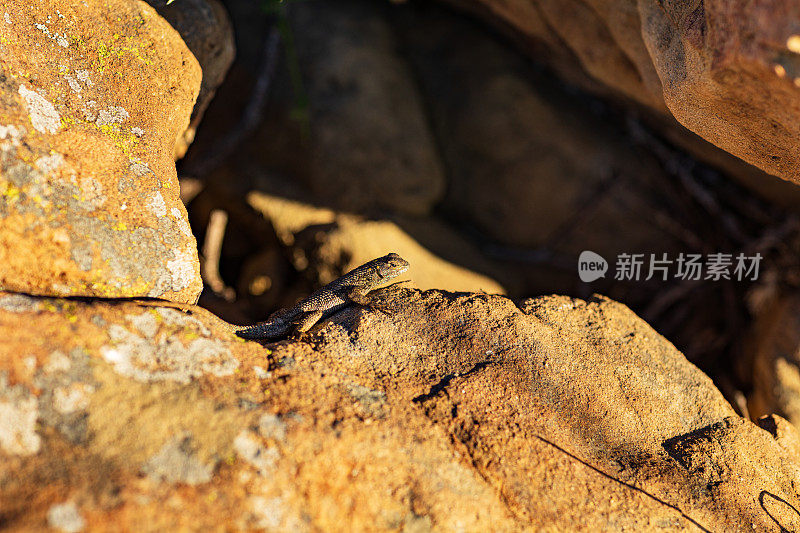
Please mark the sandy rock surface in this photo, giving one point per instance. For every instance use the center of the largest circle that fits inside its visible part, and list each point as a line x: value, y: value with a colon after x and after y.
x: 775, y: 359
x: 728, y: 72
x: 388, y: 128
x: 428, y: 411
x: 333, y: 243
x: 92, y: 99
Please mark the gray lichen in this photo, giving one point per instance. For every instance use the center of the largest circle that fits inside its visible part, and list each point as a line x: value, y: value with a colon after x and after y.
x: 43, y: 115
x: 176, y: 463
x: 19, y: 411
x: 268, y: 513
x: 153, y: 259
x: 112, y: 115
x: 19, y: 303
x: 272, y: 427
x: 372, y: 402
x: 166, y: 357
x: 65, y: 517
x: 263, y: 458
x: 66, y: 386
x: 145, y: 323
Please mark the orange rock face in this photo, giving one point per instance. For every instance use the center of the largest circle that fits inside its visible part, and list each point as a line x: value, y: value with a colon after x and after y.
x: 728, y: 72
x: 429, y: 410
x: 206, y: 29
x: 92, y: 98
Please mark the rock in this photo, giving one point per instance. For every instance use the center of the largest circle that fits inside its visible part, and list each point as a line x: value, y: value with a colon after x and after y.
x: 587, y: 382
x: 784, y: 433
x: 724, y: 71
x: 94, y: 95
x: 528, y: 165
x: 206, y: 29
x: 592, y: 43
x: 728, y: 73
x: 253, y: 452
x: 427, y: 409
x: 333, y: 243
x: 774, y: 351
x: 370, y: 142
x: 606, y: 38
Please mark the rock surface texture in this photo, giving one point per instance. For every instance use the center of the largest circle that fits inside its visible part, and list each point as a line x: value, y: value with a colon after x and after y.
x: 430, y: 411
x: 206, y: 29
x: 93, y: 96
x: 731, y: 74
x: 334, y: 243
x: 728, y: 72
x: 427, y: 410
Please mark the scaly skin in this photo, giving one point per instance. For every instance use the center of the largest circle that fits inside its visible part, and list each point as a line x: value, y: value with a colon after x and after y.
x: 350, y: 288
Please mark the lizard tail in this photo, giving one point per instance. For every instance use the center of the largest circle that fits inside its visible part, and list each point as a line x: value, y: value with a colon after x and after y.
x: 265, y: 330
x: 268, y: 330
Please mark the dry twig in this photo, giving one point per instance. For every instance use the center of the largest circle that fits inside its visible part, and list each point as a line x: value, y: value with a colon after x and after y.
x: 212, y: 248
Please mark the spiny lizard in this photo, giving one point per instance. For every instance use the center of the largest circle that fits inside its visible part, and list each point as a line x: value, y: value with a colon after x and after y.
x: 350, y: 288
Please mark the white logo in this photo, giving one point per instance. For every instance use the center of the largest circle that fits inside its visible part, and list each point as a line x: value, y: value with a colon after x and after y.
x: 591, y: 266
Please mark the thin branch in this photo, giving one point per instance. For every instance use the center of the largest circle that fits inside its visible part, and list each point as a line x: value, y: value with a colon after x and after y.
x: 212, y: 248
x: 681, y: 168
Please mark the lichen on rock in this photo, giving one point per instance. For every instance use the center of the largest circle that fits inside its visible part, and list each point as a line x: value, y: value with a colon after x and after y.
x: 167, y: 357
x: 426, y: 408
x: 19, y: 411
x: 175, y: 463
x: 65, y: 517
x: 43, y: 115
x: 69, y: 142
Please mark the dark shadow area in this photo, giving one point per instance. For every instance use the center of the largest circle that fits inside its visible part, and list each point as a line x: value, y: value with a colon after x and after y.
x: 419, y: 117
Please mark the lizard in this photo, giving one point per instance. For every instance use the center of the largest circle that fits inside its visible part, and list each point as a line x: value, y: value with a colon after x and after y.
x: 351, y: 288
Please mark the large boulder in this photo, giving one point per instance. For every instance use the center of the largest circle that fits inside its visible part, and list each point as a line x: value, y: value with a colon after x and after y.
x: 730, y: 73
x: 427, y: 410
x: 205, y: 27
x: 93, y: 96
x: 371, y: 145
x: 726, y: 71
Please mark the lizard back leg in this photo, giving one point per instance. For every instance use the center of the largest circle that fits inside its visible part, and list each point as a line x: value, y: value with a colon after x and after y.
x: 307, y: 321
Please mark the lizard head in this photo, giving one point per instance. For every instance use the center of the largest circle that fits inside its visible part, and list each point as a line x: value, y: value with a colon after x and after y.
x: 391, y: 266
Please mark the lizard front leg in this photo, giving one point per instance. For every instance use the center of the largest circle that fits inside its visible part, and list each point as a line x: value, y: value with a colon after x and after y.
x: 359, y: 296
x: 364, y: 298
